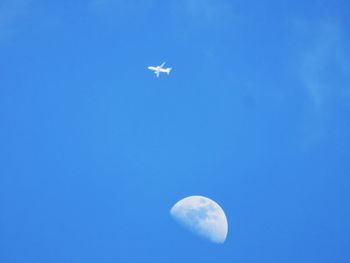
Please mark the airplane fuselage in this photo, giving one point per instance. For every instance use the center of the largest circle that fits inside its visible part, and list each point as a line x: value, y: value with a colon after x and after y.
x: 159, y: 69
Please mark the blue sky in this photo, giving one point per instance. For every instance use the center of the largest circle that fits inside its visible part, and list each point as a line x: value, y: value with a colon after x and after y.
x: 95, y: 150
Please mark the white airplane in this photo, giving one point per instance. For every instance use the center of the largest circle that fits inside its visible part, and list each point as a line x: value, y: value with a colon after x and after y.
x: 158, y: 69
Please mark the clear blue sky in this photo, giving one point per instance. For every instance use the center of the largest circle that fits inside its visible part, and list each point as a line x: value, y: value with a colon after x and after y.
x: 94, y: 150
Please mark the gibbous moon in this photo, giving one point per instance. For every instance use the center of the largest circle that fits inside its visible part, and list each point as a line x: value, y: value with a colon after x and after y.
x: 203, y: 216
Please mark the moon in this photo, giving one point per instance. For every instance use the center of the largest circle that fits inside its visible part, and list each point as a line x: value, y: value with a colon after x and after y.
x: 203, y: 216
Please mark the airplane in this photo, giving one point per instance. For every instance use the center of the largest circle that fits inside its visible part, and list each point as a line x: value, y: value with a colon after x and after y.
x: 158, y: 69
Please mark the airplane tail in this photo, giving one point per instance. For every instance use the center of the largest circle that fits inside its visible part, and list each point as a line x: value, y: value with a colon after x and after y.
x: 168, y: 70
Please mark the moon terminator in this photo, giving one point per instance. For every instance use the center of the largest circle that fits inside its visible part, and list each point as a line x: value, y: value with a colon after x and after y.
x: 203, y: 216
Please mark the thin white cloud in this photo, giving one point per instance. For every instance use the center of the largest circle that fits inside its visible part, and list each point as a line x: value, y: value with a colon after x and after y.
x: 119, y: 11
x: 324, y: 65
x: 204, y: 12
x: 323, y: 69
x: 10, y: 12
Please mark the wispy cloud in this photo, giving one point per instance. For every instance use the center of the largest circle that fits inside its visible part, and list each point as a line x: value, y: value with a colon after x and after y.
x: 324, y: 64
x: 205, y: 12
x: 323, y: 69
x: 120, y: 10
x: 10, y: 12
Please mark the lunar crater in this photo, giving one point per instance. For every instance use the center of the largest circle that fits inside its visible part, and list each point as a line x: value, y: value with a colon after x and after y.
x: 202, y: 216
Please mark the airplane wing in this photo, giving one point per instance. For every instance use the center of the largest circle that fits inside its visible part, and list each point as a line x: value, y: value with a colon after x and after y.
x: 162, y: 65
x: 157, y: 73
